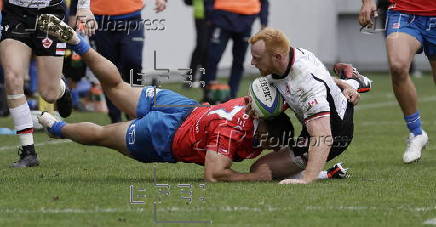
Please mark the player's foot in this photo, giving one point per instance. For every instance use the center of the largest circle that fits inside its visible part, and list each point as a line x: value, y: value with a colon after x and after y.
x: 64, y: 105
x: 415, y: 144
x: 347, y: 71
x: 28, y: 157
x: 47, y: 121
x: 337, y: 172
x: 54, y: 26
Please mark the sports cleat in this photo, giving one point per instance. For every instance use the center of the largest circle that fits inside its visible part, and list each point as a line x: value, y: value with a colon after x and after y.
x: 55, y: 27
x: 28, y: 157
x: 347, y: 71
x: 415, y: 144
x: 47, y: 120
x: 337, y: 172
x: 64, y: 105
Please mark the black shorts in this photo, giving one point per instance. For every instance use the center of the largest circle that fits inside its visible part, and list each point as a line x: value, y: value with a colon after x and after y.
x: 342, y: 133
x: 19, y: 24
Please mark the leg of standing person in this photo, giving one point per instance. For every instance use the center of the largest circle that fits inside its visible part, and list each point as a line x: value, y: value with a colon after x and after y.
x: 218, y: 39
x: 403, y: 40
x: 240, y: 46
x: 131, y: 47
x: 199, y: 55
x: 15, y: 57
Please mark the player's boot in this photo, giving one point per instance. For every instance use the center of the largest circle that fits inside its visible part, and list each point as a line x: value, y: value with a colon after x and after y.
x: 28, y: 157
x: 415, y: 144
x: 47, y: 121
x: 54, y: 26
x: 337, y: 172
x: 347, y: 71
x: 64, y: 105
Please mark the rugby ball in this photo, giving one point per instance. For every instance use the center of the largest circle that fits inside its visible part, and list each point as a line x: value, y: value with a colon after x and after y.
x: 266, y: 100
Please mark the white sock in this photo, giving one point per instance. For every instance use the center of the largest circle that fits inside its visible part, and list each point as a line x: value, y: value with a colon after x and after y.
x: 352, y: 83
x: 23, y: 123
x: 322, y: 175
x: 62, y: 87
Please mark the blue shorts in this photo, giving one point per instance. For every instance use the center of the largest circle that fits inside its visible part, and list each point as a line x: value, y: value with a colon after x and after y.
x: 423, y: 28
x: 149, y: 137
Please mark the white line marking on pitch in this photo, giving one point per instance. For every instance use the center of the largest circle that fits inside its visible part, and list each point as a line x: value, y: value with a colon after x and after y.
x: 391, y: 103
x: 430, y: 221
x: 51, y: 142
x: 70, y: 210
x: 215, y: 209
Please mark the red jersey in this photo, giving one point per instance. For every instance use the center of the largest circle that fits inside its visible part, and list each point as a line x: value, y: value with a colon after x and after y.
x: 418, y: 7
x: 224, y: 128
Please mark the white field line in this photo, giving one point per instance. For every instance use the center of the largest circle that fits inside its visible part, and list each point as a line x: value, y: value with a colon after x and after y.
x: 391, y: 103
x: 430, y: 222
x: 69, y: 210
x: 50, y: 142
x: 162, y: 208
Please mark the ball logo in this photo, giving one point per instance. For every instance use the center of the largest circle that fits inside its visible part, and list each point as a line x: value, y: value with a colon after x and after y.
x: 266, y: 91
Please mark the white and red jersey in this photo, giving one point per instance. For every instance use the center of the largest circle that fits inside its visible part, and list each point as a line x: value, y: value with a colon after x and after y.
x: 224, y: 128
x: 308, y: 88
x: 418, y: 7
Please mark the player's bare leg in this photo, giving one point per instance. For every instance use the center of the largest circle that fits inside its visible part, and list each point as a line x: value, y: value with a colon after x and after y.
x: 280, y: 163
x: 51, y: 85
x: 122, y: 94
x: 283, y: 164
x: 401, y: 48
x: 15, y: 57
x: 49, y: 71
x: 111, y: 136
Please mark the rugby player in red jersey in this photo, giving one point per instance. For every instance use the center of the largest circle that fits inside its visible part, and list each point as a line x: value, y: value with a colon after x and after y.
x: 169, y: 127
x: 411, y: 29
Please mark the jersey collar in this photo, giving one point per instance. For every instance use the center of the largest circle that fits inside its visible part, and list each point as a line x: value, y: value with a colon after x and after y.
x: 291, y: 62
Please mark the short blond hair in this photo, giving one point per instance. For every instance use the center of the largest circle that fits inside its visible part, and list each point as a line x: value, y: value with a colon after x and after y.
x: 275, y: 40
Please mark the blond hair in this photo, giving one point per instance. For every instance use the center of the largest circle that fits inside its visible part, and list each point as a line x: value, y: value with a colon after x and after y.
x: 275, y: 40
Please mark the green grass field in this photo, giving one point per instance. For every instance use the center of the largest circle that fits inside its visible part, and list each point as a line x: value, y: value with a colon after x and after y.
x: 78, y: 185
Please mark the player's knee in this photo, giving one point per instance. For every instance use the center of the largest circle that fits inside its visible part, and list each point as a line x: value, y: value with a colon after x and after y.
x: 399, y: 69
x: 13, y: 79
x: 49, y: 95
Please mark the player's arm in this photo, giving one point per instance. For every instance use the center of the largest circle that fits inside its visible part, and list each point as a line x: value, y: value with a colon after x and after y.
x: 349, y: 92
x: 217, y: 167
x: 368, y: 9
x: 86, y: 18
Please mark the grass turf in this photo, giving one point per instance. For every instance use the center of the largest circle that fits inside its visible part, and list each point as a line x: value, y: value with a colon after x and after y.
x: 82, y: 185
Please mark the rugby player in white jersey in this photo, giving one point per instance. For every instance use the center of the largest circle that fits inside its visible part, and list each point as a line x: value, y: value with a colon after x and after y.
x: 19, y: 42
x: 324, y: 110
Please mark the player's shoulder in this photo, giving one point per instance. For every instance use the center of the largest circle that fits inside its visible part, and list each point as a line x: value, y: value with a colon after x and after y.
x: 231, y: 114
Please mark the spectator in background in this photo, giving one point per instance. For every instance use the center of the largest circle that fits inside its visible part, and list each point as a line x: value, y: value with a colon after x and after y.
x: 199, y: 55
x: 231, y: 19
x: 120, y: 37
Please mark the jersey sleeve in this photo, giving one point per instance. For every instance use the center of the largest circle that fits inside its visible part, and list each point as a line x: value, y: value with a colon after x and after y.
x: 226, y: 140
x: 314, y: 99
